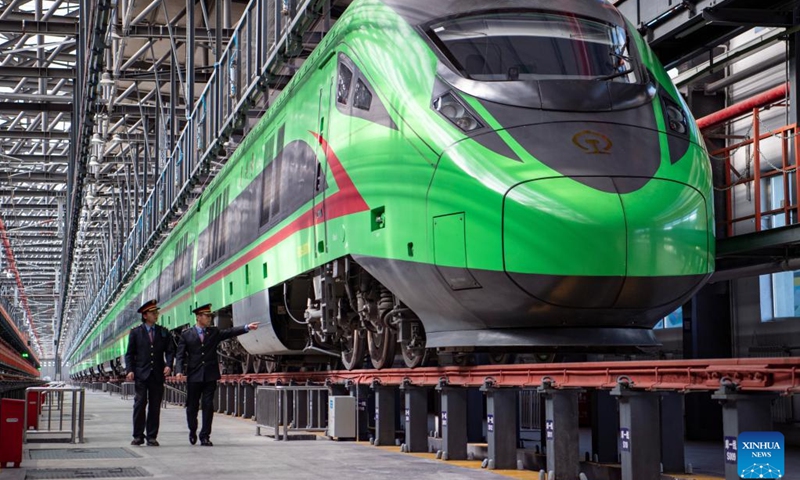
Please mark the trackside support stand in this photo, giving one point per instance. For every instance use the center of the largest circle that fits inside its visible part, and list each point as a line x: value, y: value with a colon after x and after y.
x: 385, y: 414
x: 639, y: 432
x: 741, y: 412
x: 561, y: 430
x: 453, y: 421
x: 249, y: 400
x: 416, y: 417
x: 501, y: 425
x: 672, y: 432
x: 361, y: 394
x: 605, y: 427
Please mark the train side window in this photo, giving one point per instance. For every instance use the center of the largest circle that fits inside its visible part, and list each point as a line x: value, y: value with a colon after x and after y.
x: 362, y: 99
x: 343, y: 84
x: 267, y: 194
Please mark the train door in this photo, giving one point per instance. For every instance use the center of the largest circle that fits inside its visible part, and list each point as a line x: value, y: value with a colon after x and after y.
x: 323, y: 114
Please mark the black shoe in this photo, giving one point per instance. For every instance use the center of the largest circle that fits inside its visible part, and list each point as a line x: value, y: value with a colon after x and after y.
x: 137, y: 441
x: 206, y: 442
x: 193, y: 438
x: 152, y: 443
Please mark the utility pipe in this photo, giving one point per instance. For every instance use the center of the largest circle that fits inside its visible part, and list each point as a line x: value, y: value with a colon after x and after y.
x: 770, y: 96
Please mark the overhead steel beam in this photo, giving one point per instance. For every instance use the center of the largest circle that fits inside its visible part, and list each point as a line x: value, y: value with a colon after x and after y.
x: 748, y: 16
x: 52, y: 27
x: 679, y: 31
x: 33, y: 72
x: 178, y: 33
x: 16, y: 107
x: 28, y: 206
x: 25, y: 158
x: 23, y: 192
x: 36, y: 97
x: 38, y: 177
x: 34, y: 135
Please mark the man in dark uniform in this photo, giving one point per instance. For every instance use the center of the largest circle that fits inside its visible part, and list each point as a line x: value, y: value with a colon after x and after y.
x: 197, y: 358
x: 148, y: 360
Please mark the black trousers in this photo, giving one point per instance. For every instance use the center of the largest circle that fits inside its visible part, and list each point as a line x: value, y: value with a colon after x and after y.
x: 194, y: 392
x: 148, y: 395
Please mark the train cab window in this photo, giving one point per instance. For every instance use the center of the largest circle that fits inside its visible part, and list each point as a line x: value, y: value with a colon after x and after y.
x: 536, y: 46
x: 362, y: 98
x: 355, y: 96
x: 343, y: 84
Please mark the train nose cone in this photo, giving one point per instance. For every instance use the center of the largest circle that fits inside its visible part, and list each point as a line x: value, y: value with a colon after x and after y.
x: 573, y: 246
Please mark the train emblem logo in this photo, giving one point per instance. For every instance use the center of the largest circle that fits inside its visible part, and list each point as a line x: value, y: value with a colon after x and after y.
x: 758, y: 454
x: 592, y: 143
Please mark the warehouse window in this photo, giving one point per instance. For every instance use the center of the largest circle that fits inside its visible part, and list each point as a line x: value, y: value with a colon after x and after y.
x: 673, y: 320
x: 780, y: 295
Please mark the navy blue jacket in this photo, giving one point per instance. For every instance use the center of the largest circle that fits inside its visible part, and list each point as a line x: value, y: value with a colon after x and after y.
x: 198, y: 360
x: 145, y: 359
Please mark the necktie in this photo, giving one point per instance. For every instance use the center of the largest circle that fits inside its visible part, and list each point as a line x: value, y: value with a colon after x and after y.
x: 202, y: 337
x: 151, y: 335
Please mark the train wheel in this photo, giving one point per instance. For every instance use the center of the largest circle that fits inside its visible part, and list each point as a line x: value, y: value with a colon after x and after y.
x: 247, y: 363
x: 544, y: 357
x: 353, y: 350
x: 258, y: 364
x: 413, y: 356
x: 502, y: 358
x: 271, y: 366
x: 382, y: 344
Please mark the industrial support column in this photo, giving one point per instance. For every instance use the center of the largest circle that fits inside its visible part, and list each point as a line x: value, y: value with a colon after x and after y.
x: 384, y: 414
x: 249, y: 400
x: 640, y: 439
x: 605, y: 427
x: 750, y: 412
x: 230, y: 398
x: 673, y: 459
x: 361, y: 394
x: 501, y: 426
x: 239, y: 410
x: 300, y: 409
x: 416, y: 417
x: 562, y: 431
x: 454, y: 421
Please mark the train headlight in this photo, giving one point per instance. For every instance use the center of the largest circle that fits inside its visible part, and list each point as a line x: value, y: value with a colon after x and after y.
x: 456, y: 112
x: 676, y: 119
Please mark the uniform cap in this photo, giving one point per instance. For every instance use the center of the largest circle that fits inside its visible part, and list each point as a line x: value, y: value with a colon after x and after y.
x: 148, y: 306
x: 203, y: 310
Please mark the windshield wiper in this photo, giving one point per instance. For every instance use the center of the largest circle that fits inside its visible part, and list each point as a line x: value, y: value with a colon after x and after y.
x: 615, y: 75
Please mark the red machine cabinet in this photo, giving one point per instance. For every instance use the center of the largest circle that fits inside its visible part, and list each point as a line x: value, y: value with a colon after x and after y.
x: 11, y: 428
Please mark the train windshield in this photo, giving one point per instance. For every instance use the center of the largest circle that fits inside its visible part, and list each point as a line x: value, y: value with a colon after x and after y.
x: 536, y: 46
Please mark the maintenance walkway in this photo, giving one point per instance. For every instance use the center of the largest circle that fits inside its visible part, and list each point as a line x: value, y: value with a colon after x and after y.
x: 237, y: 453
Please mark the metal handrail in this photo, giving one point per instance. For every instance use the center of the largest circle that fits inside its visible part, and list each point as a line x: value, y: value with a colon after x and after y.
x: 54, y: 396
x: 113, y: 386
x: 281, y: 414
x: 174, y: 391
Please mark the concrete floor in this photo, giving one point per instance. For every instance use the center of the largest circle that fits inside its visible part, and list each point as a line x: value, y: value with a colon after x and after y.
x: 237, y: 453
x: 240, y: 454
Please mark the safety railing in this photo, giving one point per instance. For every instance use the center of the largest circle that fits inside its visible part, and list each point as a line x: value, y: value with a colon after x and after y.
x: 55, y: 408
x: 268, y: 33
x: 112, y: 388
x: 291, y: 408
x: 767, y: 188
x: 128, y: 390
x: 173, y: 395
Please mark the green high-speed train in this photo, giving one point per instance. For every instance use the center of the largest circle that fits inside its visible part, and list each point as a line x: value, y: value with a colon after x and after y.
x: 450, y: 176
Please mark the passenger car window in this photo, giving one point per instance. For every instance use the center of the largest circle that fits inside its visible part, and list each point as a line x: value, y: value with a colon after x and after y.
x: 362, y: 98
x: 343, y: 84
